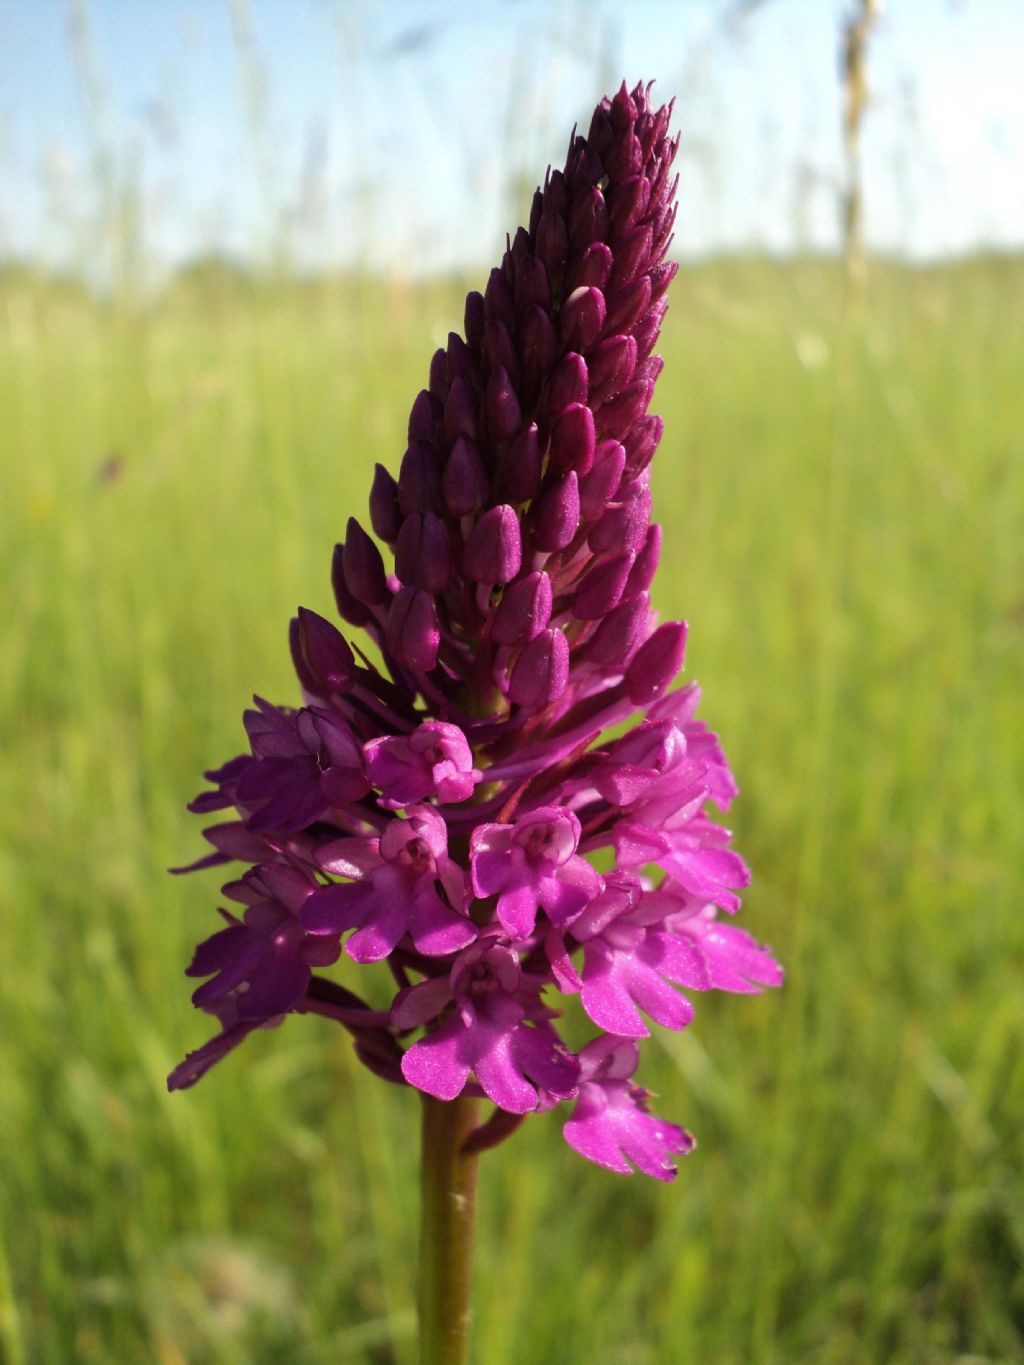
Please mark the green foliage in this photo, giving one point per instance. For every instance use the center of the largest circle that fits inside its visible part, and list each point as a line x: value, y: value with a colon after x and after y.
x: 842, y: 513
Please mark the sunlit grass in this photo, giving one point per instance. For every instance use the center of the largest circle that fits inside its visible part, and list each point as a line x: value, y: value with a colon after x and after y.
x: 842, y: 518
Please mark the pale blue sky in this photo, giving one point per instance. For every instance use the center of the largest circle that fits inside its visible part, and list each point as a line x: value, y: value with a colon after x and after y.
x: 392, y: 132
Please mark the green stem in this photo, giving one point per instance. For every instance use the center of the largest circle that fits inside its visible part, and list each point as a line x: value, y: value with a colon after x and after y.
x: 448, y: 1183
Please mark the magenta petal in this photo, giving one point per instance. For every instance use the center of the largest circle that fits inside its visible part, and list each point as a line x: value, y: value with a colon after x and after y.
x: 435, y: 928
x: 487, y: 1045
x: 421, y: 1003
x: 736, y: 962
x: 435, y: 1065
x: 336, y: 909
x: 541, y: 1056
x: 197, y: 1064
x: 385, y: 925
x: 678, y: 958
x: 606, y: 993
x: 517, y: 910
x: 590, y: 1132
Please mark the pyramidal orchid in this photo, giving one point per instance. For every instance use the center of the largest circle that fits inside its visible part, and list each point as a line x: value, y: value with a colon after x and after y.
x: 445, y: 812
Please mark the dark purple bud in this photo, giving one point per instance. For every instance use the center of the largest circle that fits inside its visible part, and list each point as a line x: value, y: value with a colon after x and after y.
x: 350, y: 609
x: 538, y: 347
x: 473, y: 319
x: 531, y: 285
x: 568, y: 384
x: 582, y: 318
x: 650, y: 369
x: 460, y: 363
x: 552, y: 240
x: 628, y: 204
x: 601, y: 135
x: 498, y: 348
x: 465, y: 484
x: 632, y: 255
x: 588, y: 219
x: 419, y: 481
x: 384, y: 515
x: 498, y: 299
x: 611, y: 366
x: 584, y: 167
x: 594, y: 267
x: 620, y: 413
x: 363, y: 566
x: 501, y: 405
x: 623, y: 111
x: 412, y: 632
x: 522, y: 465
x: 663, y: 225
x: 661, y: 277
x: 572, y: 440
x: 460, y: 412
x: 438, y: 375
x: 646, y: 563
x: 541, y: 671
x: 536, y: 209
x: 524, y: 610
x: 626, y: 304
x: 325, y: 652
x: 645, y: 331
x: 556, y: 197
x: 601, y: 484
x: 494, y: 550
x: 641, y: 443
x: 656, y: 663
x: 626, y: 158
x: 421, y: 552
x: 624, y: 527
x: 520, y: 246
x: 601, y: 588
x: 425, y: 418
x: 619, y: 633
x: 554, y: 517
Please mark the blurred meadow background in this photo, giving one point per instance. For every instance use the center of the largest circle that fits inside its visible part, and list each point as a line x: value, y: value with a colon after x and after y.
x: 230, y: 238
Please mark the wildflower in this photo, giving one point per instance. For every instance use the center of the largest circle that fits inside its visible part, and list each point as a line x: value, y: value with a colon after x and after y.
x: 448, y: 812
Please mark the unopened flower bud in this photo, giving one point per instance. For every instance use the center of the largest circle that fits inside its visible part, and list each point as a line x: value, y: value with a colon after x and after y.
x: 412, y: 632
x: 460, y: 412
x: 465, y: 484
x: 363, y: 566
x: 494, y: 552
x: 619, y: 633
x: 523, y: 611
x: 419, y: 482
x: 656, y: 663
x: 572, y: 439
x: 610, y: 366
x: 522, y: 465
x: 501, y: 405
x: 646, y: 564
x: 350, y: 608
x: 593, y: 267
x: 599, y: 486
x: 384, y: 515
x: 554, y: 517
x: 325, y: 653
x: 627, y: 304
x: 602, y: 587
x: 541, y: 671
x: 581, y: 318
x: 620, y: 414
x: 421, y: 552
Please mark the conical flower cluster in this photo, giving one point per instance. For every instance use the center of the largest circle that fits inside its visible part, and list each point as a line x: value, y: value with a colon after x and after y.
x: 447, y: 812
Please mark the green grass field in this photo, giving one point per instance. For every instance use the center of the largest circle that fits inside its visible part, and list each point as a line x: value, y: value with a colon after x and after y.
x: 843, y: 515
